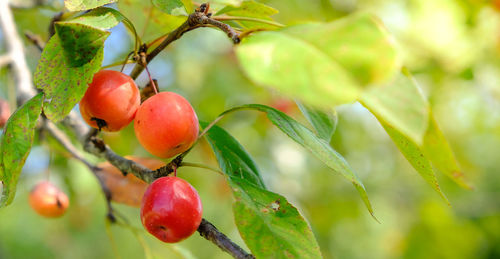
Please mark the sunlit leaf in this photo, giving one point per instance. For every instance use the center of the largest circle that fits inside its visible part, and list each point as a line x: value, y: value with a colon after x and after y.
x: 317, y: 146
x: 437, y: 149
x: 170, y: 6
x: 233, y: 159
x: 296, y: 68
x: 321, y: 64
x: 251, y: 9
x: 359, y: 43
x: 270, y: 225
x: 149, y: 20
x: 79, y: 5
x: 414, y: 155
x: 63, y: 85
x: 103, y: 18
x: 16, y: 144
x: 324, y: 122
x: 401, y: 105
x: 405, y: 115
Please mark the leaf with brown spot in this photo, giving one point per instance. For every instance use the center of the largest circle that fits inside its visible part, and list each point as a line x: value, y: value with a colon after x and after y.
x: 270, y: 225
x: 16, y: 144
x: 126, y: 189
x: 64, y: 84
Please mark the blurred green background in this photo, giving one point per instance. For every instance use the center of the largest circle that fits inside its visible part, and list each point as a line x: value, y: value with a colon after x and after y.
x: 453, y: 49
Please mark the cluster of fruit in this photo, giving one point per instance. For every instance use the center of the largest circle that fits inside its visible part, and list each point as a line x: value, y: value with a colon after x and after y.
x: 166, y: 125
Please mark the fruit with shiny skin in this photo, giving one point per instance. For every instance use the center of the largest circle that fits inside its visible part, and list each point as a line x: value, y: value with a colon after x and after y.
x: 166, y: 125
x: 112, y: 99
x: 171, y: 209
x: 48, y: 200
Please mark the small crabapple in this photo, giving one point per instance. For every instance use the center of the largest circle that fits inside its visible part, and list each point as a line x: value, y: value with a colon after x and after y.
x: 171, y: 209
x: 47, y: 200
x: 111, y: 101
x: 166, y: 125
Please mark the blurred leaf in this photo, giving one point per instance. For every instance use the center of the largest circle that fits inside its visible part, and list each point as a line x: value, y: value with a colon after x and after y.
x: 317, y: 146
x: 150, y: 21
x: 80, y: 5
x: 250, y: 9
x: 359, y: 43
x: 126, y: 189
x: 62, y: 84
x: 324, y: 122
x: 437, y: 149
x: 16, y: 144
x: 401, y: 105
x: 270, y: 225
x: 233, y: 159
x: 296, y: 68
x: 227, y: 2
x: 414, y: 155
x: 170, y: 6
x: 80, y: 43
x: 406, y: 116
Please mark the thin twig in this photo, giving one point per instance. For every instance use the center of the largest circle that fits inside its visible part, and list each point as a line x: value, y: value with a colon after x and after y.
x: 61, y: 137
x: 35, y: 39
x: 195, y: 20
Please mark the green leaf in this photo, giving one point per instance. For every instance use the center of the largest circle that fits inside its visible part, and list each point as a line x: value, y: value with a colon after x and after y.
x: 150, y: 21
x: 102, y: 18
x: 63, y: 85
x: 401, y: 105
x: 251, y: 9
x: 359, y: 43
x: 105, y: 18
x: 171, y: 6
x: 321, y: 64
x: 324, y: 122
x: 415, y: 156
x: 437, y: 149
x: 270, y: 225
x: 407, y: 118
x: 80, y: 5
x: 296, y: 68
x: 232, y: 157
x: 317, y: 146
x: 227, y: 2
x: 80, y: 42
x: 16, y: 144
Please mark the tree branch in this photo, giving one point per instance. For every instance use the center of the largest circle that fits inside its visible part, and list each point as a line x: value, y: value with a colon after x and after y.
x: 200, y: 18
x: 15, y: 50
x: 210, y: 232
x: 88, y: 138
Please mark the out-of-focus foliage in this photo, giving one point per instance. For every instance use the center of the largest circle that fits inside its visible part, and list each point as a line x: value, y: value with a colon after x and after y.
x: 451, y: 47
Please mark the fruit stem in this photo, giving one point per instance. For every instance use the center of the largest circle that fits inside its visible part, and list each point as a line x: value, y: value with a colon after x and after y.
x: 151, y: 79
x: 188, y: 164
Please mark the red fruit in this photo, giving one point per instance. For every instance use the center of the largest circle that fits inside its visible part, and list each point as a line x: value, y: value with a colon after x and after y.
x: 4, y: 112
x: 111, y: 101
x: 166, y: 125
x: 47, y: 200
x: 171, y: 209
